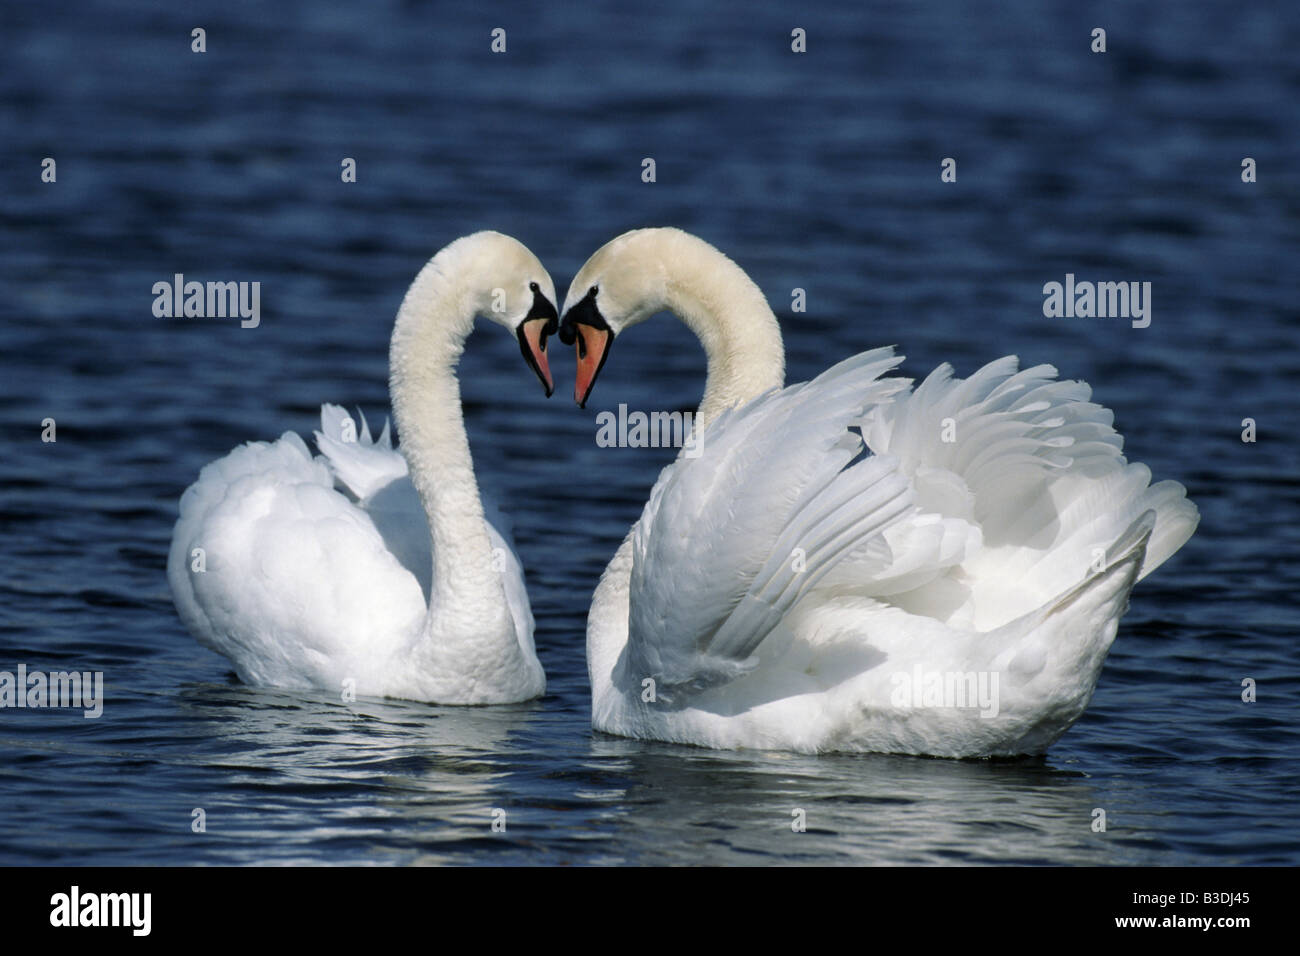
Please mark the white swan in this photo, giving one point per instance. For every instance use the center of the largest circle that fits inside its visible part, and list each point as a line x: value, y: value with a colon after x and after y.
x: 953, y: 591
x: 366, y: 569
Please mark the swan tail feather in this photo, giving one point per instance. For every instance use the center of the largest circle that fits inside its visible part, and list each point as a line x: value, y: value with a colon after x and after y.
x: 1053, y: 656
x: 360, y: 464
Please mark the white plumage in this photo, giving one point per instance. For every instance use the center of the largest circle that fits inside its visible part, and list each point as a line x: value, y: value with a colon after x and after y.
x: 366, y: 569
x: 856, y: 564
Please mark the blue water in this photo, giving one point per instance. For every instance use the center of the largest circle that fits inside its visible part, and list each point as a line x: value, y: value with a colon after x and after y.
x: 818, y: 171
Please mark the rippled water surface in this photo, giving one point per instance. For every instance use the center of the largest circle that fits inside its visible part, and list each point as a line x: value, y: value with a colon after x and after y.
x: 818, y: 171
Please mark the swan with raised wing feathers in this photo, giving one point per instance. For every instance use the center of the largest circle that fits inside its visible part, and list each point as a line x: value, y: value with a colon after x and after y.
x: 857, y: 562
x: 369, y: 569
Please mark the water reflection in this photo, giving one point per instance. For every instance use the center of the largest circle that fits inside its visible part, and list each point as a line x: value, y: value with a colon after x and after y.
x: 722, y: 807
x: 302, y: 769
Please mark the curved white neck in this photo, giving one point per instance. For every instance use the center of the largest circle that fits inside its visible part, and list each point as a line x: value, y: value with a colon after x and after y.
x: 729, y: 314
x: 428, y: 338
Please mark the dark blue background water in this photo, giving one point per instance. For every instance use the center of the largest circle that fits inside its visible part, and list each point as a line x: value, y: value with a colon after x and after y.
x: 818, y: 171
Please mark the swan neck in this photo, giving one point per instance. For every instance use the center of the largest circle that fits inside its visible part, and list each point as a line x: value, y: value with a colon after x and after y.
x: 432, y: 324
x: 729, y: 314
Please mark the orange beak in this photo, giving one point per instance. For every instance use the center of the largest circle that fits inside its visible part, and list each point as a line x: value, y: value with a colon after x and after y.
x: 532, y: 342
x: 593, y: 348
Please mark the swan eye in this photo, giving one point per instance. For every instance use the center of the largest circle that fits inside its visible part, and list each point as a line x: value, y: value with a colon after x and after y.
x: 593, y: 291
x: 532, y: 287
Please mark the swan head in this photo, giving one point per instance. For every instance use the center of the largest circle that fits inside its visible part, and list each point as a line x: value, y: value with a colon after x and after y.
x: 623, y: 283
x: 516, y: 291
x: 538, y: 323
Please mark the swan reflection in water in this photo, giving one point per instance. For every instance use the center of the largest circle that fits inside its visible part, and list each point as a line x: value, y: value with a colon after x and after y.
x: 686, y: 804
x: 379, y: 777
x: 309, y: 779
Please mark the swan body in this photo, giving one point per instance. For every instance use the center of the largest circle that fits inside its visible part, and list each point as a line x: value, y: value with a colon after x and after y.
x: 363, y: 568
x: 858, y: 563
